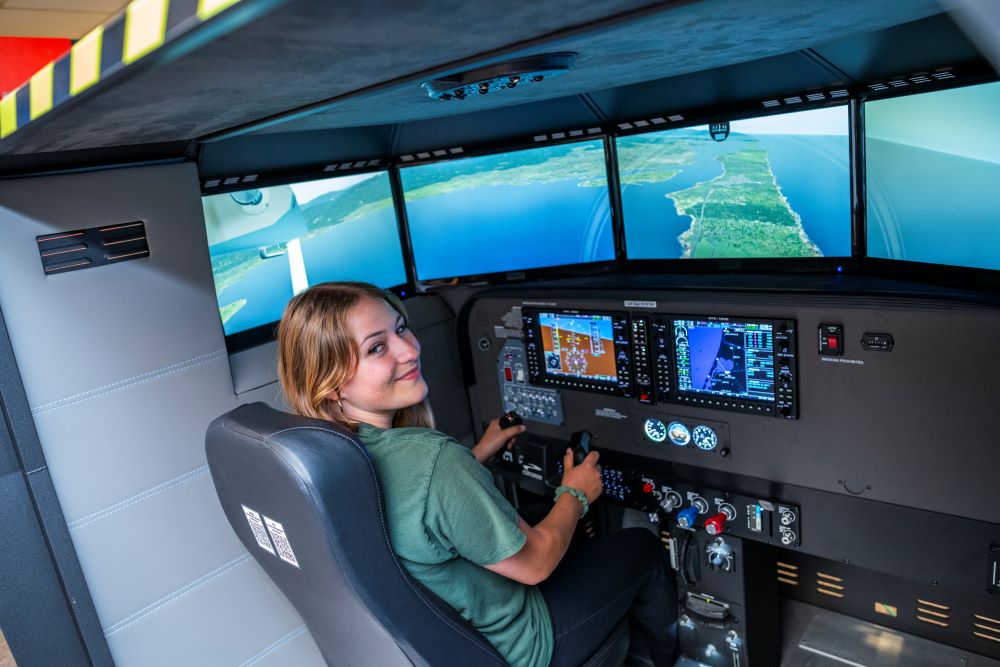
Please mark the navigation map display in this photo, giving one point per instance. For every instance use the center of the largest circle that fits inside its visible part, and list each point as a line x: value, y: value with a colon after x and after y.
x: 527, y: 209
x: 579, y: 346
x: 725, y: 358
x: 770, y: 187
x: 267, y: 244
x: 932, y: 165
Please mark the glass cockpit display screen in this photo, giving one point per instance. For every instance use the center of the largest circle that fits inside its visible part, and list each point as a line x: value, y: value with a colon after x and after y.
x: 269, y: 243
x: 579, y: 346
x: 725, y: 358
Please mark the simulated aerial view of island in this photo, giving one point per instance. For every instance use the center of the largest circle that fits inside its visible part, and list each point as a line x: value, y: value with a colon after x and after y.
x: 267, y: 244
x: 539, y: 207
x: 777, y: 186
x: 932, y: 165
x: 580, y: 347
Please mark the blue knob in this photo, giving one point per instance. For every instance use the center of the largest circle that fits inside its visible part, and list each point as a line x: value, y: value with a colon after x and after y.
x: 687, y: 516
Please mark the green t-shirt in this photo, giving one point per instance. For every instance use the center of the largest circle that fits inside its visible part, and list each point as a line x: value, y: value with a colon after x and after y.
x: 446, y: 521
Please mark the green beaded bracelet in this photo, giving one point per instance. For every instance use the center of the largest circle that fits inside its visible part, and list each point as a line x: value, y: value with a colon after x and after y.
x: 578, y: 494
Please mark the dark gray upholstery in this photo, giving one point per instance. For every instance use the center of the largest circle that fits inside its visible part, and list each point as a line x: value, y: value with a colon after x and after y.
x: 317, y: 481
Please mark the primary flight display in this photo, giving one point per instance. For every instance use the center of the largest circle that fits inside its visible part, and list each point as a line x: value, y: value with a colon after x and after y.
x: 769, y: 187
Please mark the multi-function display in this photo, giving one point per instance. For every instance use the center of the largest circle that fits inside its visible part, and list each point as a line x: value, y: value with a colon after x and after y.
x: 724, y: 363
x: 725, y: 358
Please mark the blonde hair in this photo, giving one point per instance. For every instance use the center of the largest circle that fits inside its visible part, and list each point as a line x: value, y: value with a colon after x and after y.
x: 317, y: 354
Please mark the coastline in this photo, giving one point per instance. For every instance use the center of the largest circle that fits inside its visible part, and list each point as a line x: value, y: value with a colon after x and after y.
x: 688, y: 239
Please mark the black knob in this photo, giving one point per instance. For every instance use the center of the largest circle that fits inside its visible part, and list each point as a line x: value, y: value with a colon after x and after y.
x: 510, y: 419
x: 580, y: 443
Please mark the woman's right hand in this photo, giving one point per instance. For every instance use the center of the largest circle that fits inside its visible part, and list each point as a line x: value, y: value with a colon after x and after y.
x: 586, y: 477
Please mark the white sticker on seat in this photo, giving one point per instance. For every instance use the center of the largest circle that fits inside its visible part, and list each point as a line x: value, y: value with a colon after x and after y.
x: 281, y: 542
x: 259, y: 532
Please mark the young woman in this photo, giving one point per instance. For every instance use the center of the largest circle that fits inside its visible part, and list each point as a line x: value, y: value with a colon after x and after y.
x: 346, y: 354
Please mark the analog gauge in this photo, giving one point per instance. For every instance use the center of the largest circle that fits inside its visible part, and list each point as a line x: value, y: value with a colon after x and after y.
x: 704, y: 438
x: 654, y: 429
x: 679, y: 434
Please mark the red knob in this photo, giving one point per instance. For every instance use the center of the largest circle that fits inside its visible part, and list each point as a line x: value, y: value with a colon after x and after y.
x: 647, y: 488
x: 714, y: 525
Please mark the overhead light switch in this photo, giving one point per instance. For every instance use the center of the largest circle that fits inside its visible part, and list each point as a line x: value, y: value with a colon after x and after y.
x: 831, y: 339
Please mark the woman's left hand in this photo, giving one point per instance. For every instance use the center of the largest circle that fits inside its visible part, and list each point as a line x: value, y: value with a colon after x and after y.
x: 494, y: 439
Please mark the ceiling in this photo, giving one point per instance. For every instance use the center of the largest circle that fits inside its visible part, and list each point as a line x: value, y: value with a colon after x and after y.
x: 311, y: 81
x: 70, y: 19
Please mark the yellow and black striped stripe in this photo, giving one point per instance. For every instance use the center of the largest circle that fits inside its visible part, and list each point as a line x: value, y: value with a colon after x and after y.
x: 145, y: 26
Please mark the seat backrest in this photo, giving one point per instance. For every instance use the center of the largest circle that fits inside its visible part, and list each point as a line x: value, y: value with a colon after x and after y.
x: 302, y: 496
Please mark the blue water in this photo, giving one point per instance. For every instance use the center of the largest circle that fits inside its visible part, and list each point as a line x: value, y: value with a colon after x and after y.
x: 364, y: 249
x: 509, y: 227
x: 929, y: 206
x: 812, y: 171
x: 267, y: 288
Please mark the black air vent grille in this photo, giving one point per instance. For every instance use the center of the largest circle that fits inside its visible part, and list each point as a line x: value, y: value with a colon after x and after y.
x: 933, y: 613
x: 986, y: 627
x: 572, y: 134
x: 87, y: 248
x: 427, y: 155
x: 911, y: 80
x: 788, y: 573
x: 827, y: 584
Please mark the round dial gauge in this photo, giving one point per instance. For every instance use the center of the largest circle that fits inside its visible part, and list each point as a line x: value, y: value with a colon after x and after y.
x: 654, y: 429
x: 679, y: 434
x: 704, y: 438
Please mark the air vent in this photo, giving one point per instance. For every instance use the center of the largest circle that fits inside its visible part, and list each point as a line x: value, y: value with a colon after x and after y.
x: 916, y: 78
x: 352, y: 164
x: 933, y: 613
x: 87, y: 248
x: 985, y: 627
x: 555, y: 136
x: 788, y: 573
x: 827, y: 584
x: 811, y: 96
x: 427, y: 155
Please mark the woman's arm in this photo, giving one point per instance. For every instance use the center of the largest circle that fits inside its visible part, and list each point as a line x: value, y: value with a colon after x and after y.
x: 494, y: 439
x: 548, y: 540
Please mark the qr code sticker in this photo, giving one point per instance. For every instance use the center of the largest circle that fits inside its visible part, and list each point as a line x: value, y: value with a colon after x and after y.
x: 257, y: 526
x: 281, y: 542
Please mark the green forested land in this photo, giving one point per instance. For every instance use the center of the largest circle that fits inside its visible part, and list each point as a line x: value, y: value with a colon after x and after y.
x: 742, y: 213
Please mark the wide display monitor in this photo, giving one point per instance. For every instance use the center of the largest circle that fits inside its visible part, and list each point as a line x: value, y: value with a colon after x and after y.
x: 771, y: 187
x: 932, y: 164
x: 527, y: 209
x: 268, y: 244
